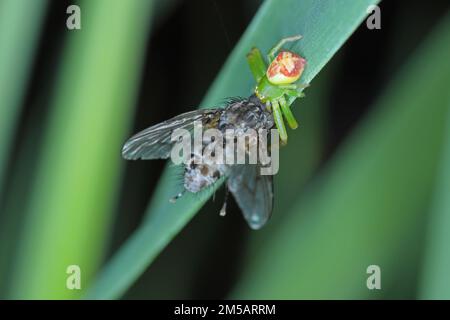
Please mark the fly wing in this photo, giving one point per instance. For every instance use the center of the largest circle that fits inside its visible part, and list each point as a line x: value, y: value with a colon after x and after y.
x: 155, y: 142
x: 253, y: 193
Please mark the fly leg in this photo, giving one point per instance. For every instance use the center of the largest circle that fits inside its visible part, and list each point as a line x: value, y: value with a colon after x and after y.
x: 223, y: 210
x: 178, y: 196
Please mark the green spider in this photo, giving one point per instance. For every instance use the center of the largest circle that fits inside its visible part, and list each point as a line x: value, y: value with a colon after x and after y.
x: 276, y: 82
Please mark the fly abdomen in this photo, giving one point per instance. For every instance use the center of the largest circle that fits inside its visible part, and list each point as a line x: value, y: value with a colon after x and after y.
x: 200, y: 174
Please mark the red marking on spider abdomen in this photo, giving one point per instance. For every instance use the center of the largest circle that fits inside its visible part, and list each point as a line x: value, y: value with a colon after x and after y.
x: 287, y: 67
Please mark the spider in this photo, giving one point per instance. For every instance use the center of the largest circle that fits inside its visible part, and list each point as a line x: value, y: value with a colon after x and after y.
x: 276, y: 85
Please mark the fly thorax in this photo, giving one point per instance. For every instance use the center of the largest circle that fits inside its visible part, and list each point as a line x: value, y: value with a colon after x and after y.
x: 250, y: 113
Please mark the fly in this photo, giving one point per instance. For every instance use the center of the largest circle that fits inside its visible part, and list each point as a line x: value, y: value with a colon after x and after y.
x: 275, y: 91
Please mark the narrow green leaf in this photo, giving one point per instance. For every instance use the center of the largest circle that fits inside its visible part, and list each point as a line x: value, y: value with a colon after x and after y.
x: 69, y: 213
x: 367, y: 206
x: 19, y: 19
x: 325, y: 26
x: 435, y: 281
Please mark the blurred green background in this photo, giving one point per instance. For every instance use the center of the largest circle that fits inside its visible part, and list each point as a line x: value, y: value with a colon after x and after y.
x: 364, y: 180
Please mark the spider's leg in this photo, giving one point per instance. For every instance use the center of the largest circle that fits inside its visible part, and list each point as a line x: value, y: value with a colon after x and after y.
x: 285, y: 108
x: 278, y: 46
x: 297, y: 92
x: 296, y: 89
x: 278, y: 118
x: 302, y: 86
x: 288, y: 86
x: 256, y: 63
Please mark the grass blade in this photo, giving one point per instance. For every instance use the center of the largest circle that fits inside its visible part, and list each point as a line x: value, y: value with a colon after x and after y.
x: 435, y: 284
x: 72, y: 200
x: 19, y: 19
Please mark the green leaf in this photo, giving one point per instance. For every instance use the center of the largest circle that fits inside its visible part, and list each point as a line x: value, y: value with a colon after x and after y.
x: 367, y: 207
x: 325, y: 26
x: 435, y: 281
x: 72, y: 200
x: 19, y: 19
